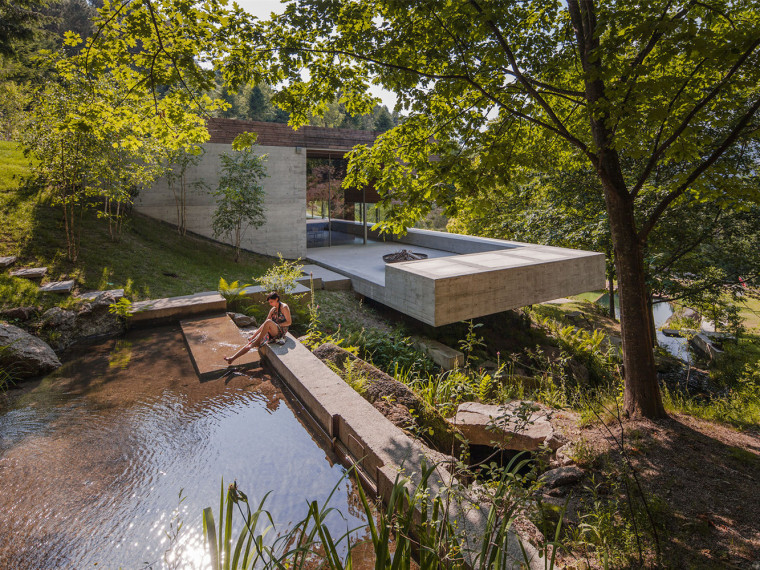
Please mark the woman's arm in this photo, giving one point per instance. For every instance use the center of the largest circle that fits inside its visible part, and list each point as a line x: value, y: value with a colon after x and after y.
x: 286, y: 314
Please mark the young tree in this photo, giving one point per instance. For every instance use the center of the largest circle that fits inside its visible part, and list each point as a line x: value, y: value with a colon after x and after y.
x: 652, y: 96
x: 176, y: 177
x: 239, y: 196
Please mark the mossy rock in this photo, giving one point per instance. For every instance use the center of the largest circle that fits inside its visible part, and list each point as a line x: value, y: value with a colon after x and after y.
x: 393, y: 399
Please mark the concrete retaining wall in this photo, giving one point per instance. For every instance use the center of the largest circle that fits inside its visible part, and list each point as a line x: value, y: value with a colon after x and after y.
x: 383, y: 450
x: 285, y: 200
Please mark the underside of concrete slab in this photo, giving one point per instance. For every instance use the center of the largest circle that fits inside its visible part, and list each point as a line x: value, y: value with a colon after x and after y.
x: 210, y: 339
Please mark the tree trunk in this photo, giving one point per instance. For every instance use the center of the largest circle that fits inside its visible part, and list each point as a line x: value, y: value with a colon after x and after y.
x: 611, y: 284
x: 642, y: 392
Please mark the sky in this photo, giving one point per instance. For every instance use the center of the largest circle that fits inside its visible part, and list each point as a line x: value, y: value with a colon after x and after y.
x: 263, y: 8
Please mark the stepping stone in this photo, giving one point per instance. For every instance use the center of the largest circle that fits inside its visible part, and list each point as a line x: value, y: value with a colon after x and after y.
x: 58, y: 287
x: 7, y: 261
x: 92, y: 295
x: 30, y: 273
x: 331, y: 281
x: 210, y: 339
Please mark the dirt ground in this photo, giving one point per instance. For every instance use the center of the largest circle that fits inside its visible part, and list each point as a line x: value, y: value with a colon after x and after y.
x: 702, y: 480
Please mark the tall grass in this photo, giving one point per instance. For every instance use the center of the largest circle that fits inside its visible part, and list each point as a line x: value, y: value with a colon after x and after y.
x: 415, y: 527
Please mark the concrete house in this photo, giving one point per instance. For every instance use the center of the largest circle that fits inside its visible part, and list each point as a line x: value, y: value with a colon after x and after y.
x: 462, y: 277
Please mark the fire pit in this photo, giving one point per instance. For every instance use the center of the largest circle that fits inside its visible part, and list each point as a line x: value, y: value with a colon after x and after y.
x: 403, y: 255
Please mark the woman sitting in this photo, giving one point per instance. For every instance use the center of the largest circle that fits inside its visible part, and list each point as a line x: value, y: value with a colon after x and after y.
x: 274, y: 327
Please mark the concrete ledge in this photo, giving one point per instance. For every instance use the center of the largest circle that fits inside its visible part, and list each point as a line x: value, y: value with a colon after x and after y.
x: 175, y: 308
x: 258, y: 294
x: 384, y: 451
x: 330, y: 280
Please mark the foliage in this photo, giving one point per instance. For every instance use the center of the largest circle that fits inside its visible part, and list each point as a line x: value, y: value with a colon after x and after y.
x: 396, y: 532
x: 232, y: 293
x: 470, y: 343
x: 390, y: 352
x: 737, y: 405
x: 121, y: 308
x: 281, y: 277
x: 239, y: 196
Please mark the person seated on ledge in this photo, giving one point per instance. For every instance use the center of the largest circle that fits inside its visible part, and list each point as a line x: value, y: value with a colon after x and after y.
x: 274, y: 327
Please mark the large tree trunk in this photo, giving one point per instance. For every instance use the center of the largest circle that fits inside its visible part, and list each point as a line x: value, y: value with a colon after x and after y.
x: 642, y: 392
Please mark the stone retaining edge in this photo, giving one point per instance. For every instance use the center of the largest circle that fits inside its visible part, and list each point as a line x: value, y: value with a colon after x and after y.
x: 384, y: 451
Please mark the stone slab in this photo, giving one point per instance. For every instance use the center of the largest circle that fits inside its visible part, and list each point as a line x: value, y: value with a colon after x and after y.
x: 58, y: 286
x: 330, y: 280
x: 444, y: 356
x: 92, y: 295
x: 177, y: 308
x: 309, y: 281
x: 30, y: 273
x: 8, y: 260
x: 257, y: 292
x: 209, y: 339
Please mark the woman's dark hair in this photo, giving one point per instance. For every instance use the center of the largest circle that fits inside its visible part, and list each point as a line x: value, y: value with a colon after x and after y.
x: 273, y: 295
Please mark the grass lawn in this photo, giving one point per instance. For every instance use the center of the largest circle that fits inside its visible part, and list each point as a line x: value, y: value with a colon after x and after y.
x: 750, y: 312
x: 150, y: 260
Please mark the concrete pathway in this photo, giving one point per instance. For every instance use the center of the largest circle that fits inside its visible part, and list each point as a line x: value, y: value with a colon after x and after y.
x: 210, y: 339
x: 364, y: 261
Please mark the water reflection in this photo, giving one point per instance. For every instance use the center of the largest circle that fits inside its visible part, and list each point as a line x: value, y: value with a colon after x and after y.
x: 676, y: 346
x: 92, y: 458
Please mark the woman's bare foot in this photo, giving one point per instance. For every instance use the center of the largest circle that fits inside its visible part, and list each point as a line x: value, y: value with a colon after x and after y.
x: 229, y: 359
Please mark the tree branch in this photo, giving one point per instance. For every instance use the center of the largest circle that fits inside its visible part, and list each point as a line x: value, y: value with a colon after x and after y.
x: 716, y: 154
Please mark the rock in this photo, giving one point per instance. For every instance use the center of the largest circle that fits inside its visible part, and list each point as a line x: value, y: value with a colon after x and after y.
x: 564, y: 455
x: 242, y: 320
x: 393, y: 399
x: 92, y: 320
x: 32, y: 273
x: 19, y: 313
x: 58, y: 319
x: 580, y: 372
x: 63, y: 287
x: 7, y: 261
x: 518, y: 425
x: 26, y: 355
x: 95, y: 320
x: 562, y: 476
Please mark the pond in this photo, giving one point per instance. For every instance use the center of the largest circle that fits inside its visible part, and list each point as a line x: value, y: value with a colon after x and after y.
x: 93, y: 457
x: 676, y: 346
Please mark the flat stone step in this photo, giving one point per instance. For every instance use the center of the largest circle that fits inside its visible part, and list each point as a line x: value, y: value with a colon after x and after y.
x: 257, y: 292
x: 331, y: 281
x: 210, y: 339
x: 307, y: 280
x: 92, y: 295
x: 30, y: 273
x: 8, y: 260
x: 58, y: 287
x: 444, y: 356
x: 176, y: 308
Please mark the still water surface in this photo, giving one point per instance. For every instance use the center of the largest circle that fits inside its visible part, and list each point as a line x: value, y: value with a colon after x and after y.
x: 92, y: 459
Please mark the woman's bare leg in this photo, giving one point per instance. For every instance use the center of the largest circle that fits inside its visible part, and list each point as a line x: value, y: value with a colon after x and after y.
x: 255, y: 340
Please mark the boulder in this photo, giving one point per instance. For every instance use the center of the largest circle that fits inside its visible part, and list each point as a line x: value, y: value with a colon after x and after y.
x: 25, y: 355
x: 242, y: 320
x: 18, y: 313
x: 95, y: 320
x: 393, y: 399
x: 63, y: 327
x: 518, y: 425
x: 562, y: 476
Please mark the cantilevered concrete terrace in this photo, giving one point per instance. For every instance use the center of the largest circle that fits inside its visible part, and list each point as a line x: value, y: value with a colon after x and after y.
x: 464, y: 276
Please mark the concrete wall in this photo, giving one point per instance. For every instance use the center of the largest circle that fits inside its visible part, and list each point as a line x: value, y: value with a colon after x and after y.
x: 285, y: 201
x: 455, y: 243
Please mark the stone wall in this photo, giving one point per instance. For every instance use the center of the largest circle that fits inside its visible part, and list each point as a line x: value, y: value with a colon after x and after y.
x: 285, y: 200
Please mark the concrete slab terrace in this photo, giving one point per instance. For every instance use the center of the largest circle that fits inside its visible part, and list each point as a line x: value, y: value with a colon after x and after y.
x: 209, y: 339
x: 486, y: 276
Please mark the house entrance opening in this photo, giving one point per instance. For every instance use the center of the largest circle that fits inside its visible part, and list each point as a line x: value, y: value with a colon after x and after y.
x: 327, y: 201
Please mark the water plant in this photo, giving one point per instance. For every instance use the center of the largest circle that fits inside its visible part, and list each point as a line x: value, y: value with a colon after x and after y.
x: 416, y: 526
